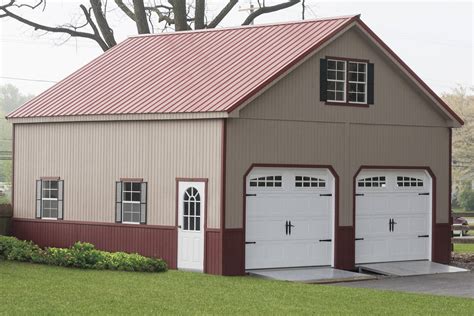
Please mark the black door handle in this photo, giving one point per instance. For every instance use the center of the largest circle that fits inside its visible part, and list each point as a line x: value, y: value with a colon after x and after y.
x: 286, y: 227
x: 291, y: 225
x: 390, y: 225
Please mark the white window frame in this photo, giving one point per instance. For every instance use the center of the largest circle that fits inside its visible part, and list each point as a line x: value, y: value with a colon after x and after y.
x: 357, y: 82
x: 131, y: 202
x: 49, y: 198
x: 344, y: 81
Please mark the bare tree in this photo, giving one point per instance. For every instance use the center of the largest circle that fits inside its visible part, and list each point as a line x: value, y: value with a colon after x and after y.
x: 180, y: 15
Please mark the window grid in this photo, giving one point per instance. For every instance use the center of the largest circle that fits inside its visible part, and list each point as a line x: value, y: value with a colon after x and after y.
x: 372, y: 182
x: 336, y: 80
x: 409, y: 182
x: 357, y: 82
x: 131, y: 198
x: 268, y: 181
x: 192, y: 210
x: 309, y: 182
x: 49, y: 199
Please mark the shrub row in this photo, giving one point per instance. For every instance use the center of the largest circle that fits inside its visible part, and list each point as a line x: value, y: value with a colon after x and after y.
x: 80, y: 255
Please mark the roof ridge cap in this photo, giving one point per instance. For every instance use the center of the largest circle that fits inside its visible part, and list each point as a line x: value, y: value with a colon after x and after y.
x: 223, y: 29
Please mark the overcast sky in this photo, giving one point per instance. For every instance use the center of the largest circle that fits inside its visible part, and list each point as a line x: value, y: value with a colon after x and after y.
x: 434, y: 38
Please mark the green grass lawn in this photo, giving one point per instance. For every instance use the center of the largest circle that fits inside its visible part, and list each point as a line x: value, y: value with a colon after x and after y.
x: 37, y: 289
x: 464, y: 248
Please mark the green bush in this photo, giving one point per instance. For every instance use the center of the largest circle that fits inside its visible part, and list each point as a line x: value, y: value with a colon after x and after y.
x: 18, y: 250
x: 466, y: 199
x: 80, y: 255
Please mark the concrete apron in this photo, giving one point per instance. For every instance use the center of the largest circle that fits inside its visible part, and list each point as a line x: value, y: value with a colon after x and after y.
x: 317, y: 275
x: 408, y: 268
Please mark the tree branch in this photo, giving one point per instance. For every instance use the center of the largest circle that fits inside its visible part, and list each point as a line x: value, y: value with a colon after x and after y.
x: 140, y: 17
x: 125, y: 9
x: 222, y: 14
x: 273, y: 8
x: 104, y: 27
x: 97, y: 37
x: 46, y: 28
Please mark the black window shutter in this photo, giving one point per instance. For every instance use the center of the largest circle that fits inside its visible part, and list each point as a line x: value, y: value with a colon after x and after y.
x: 39, y: 186
x: 370, y: 84
x: 60, y: 199
x: 323, y: 78
x: 143, y: 197
x: 118, y: 202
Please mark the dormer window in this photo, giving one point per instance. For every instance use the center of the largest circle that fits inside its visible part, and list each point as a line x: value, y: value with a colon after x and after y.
x: 346, y: 81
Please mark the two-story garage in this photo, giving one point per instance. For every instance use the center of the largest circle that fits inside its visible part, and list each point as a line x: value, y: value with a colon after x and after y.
x: 287, y: 145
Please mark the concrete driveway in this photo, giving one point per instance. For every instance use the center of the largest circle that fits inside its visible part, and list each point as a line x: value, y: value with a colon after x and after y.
x: 459, y: 284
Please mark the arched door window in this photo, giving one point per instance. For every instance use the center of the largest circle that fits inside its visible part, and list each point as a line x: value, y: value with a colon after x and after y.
x: 192, y: 210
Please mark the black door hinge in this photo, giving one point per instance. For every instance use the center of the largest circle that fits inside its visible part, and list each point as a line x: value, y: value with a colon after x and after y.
x: 423, y: 236
x: 250, y: 194
x: 325, y: 240
x: 326, y: 194
x: 359, y: 239
x: 359, y: 194
x: 250, y: 242
x: 426, y: 193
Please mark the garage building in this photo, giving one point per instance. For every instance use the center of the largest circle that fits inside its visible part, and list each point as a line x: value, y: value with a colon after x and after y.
x: 288, y: 145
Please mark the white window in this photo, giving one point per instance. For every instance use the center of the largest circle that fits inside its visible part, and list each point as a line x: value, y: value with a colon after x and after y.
x: 131, y: 197
x: 192, y: 210
x: 49, y: 199
x: 336, y: 80
x: 309, y: 182
x: 409, y: 182
x: 372, y: 182
x: 357, y: 82
x: 130, y: 207
x: 268, y: 181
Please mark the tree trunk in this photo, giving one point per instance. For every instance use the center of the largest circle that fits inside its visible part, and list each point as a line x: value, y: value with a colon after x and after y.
x: 179, y: 10
x: 199, y: 14
x: 140, y: 17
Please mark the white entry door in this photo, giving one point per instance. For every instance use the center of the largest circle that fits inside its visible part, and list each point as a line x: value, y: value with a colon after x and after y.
x: 191, y: 221
x: 289, y: 218
x: 393, y: 216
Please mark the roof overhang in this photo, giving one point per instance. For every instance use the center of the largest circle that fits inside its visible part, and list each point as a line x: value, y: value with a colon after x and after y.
x: 120, y: 117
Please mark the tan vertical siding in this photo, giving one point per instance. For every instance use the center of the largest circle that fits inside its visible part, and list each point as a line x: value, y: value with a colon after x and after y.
x: 288, y: 124
x: 91, y: 156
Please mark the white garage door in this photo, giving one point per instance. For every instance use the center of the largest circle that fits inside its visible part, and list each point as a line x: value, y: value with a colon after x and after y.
x: 289, y: 218
x: 393, y: 215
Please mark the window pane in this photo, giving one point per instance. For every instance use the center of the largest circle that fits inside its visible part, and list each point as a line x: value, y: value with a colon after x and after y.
x: 352, y: 87
x: 340, y: 96
x: 198, y: 223
x: 331, y: 74
x: 186, y: 208
x: 340, y: 86
x: 360, y: 97
x: 341, y: 65
x: 191, y: 223
x: 54, y: 213
x: 352, y: 67
x: 46, y: 212
x: 45, y: 193
x: 352, y: 76
x: 127, y: 197
x: 361, y: 77
x: 53, y: 194
x: 331, y: 95
x: 198, y: 208
x: 331, y: 64
x: 127, y: 217
x: 361, y: 67
x: 136, y: 186
x: 331, y: 85
x: 135, y: 217
x: 53, y: 184
x: 340, y: 75
x: 136, y: 197
x: 191, y: 208
x: 127, y: 186
x: 185, y: 222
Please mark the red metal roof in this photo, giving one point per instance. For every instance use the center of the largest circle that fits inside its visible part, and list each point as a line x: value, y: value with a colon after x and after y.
x: 193, y: 72
x: 197, y: 71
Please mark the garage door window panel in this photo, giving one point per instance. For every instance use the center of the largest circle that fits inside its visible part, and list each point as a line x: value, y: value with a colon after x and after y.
x: 309, y: 182
x: 407, y: 182
x: 372, y: 182
x: 266, y: 181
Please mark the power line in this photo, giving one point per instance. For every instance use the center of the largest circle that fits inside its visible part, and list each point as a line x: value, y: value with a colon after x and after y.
x: 28, y: 79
